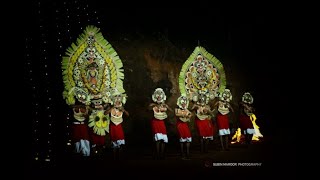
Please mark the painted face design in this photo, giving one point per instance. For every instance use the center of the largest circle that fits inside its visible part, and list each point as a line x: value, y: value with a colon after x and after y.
x: 81, y: 95
x: 90, y: 40
x: 97, y: 103
x: 99, y: 122
x: 202, y: 99
x: 247, y: 98
x: 159, y: 96
x: 226, y: 95
x: 183, y: 102
x: 118, y: 101
x: 200, y: 64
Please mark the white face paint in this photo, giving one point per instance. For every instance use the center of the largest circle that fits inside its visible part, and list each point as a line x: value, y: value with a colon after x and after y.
x: 159, y: 96
x: 183, y: 102
x: 226, y: 95
x: 118, y: 101
x: 81, y: 95
x: 202, y: 99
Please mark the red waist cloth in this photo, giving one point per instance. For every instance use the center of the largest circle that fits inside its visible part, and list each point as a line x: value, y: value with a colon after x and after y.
x: 204, y: 127
x: 79, y: 131
x: 158, y: 126
x: 222, y: 121
x: 245, y: 122
x: 116, y: 132
x: 183, y: 129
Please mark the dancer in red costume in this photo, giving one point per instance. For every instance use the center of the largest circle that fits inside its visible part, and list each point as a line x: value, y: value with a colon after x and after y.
x: 116, y: 131
x: 158, y: 127
x: 183, y: 116
x: 224, y: 107
x: 80, y: 130
x: 203, y: 121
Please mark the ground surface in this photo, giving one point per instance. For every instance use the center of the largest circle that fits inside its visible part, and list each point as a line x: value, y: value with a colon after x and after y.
x: 270, y: 158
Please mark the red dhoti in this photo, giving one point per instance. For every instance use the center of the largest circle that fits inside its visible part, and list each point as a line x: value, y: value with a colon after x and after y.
x: 159, y: 130
x: 80, y: 138
x: 223, y: 124
x: 97, y: 139
x: 183, y: 131
x: 116, y: 135
x: 205, y: 128
x: 246, y: 124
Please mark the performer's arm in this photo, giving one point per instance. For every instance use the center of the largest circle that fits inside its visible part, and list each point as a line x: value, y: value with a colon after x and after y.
x: 107, y: 111
x: 126, y: 112
x: 168, y: 108
x: 151, y: 106
x: 211, y: 112
x: 194, y: 107
x: 230, y: 107
x: 179, y: 114
x: 189, y: 114
x: 215, y: 105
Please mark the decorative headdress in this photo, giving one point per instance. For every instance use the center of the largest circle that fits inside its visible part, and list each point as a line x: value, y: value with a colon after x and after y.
x: 81, y: 95
x: 247, y: 98
x: 92, y: 71
x: 183, y: 100
x: 159, y: 96
x: 202, y: 76
x: 92, y: 67
x: 226, y: 95
x: 117, y: 96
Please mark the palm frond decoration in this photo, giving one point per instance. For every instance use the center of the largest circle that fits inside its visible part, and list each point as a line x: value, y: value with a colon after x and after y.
x: 99, y: 122
x: 202, y: 72
x: 91, y: 66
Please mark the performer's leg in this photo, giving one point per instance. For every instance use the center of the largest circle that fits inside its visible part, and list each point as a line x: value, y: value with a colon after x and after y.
x: 201, y: 145
x: 250, y: 138
x: 181, y: 149
x: 188, y: 149
x: 206, y: 145
x: 221, y: 141
x: 120, y: 150
x: 157, y: 149
x: 163, y: 145
x: 153, y: 150
x: 227, y: 142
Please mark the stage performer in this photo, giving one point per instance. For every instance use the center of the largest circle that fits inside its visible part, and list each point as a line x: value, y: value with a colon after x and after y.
x: 222, y: 118
x: 116, y: 131
x: 183, y: 116
x: 80, y: 131
x: 203, y: 120
x: 158, y: 126
x: 246, y: 110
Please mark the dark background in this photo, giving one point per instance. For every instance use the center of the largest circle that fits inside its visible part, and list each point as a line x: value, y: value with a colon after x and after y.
x: 153, y: 42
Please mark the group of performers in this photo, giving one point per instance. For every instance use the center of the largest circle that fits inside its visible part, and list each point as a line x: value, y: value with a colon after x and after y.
x: 88, y: 136
x: 205, y: 118
x: 92, y: 123
x: 93, y: 77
